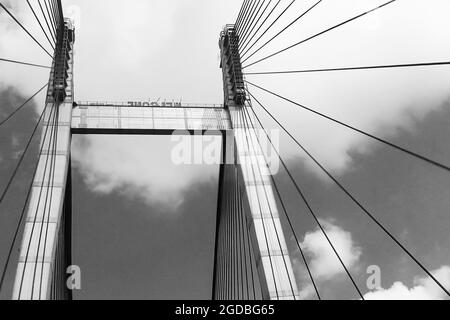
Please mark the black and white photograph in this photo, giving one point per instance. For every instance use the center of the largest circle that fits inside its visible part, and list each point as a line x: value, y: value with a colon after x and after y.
x: 225, y: 158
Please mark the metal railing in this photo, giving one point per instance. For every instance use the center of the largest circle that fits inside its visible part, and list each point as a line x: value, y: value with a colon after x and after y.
x: 148, y: 104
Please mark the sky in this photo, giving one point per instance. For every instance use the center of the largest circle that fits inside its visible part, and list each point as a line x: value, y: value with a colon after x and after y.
x: 156, y: 217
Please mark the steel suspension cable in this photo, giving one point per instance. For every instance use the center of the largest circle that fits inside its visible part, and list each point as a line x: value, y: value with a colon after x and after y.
x: 235, y: 240
x: 242, y: 227
x: 48, y: 22
x: 249, y: 18
x: 16, y: 233
x: 229, y: 248
x: 249, y: 138
x: 54, y: 6
x: 48, y: 195
x: 281, y: 199
x: 358, y: 203
x: 51, y: 31
x: 260, y: 26
x: 54, y: 14
x: 25, y: 63
x: 59, y: 11
x: 232, y: 252
x: 25, y: 29
x: 253, y: 22
x: 268, y: 28
x: 320, y: 33
x: 37, y: 209
x: 50, y: 18
x: 55, y: 153
x: 218, y: 245
x: 261, y: 215
x: 241, y: 238
x: 253, y: 262
x: 224, y: 251
x: 241, y: 267
x: 52, y: 170
x: 244, y: 13
x: 49, y: 156
x: 235, y: 244
x: 238, y: 226
x: 21, y: 158
x: 251, y: 34
x: 252, y: 280
x: 424, y: 64
x: 218, y: 280
x: 241, y: 12
x: 388, y: 143
x: 40, y: 25
x: 244, y: 17
x: 313, y: 214
x: 52, y: 10
x: 2, y: 122
x: 283, y: 30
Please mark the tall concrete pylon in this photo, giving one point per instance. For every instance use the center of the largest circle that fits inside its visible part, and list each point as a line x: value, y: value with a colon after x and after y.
x: 46, y: 244
x: 248, y: 167
x: 245, y: 190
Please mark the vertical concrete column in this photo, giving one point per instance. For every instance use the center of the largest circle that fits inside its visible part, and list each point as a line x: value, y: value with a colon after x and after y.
x: 274, y: 263
x: 43, y: 223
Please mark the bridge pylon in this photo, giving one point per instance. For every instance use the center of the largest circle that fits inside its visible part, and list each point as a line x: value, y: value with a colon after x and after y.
x: 246, y: 203
x: 246, y: 180
x: 45, y: 252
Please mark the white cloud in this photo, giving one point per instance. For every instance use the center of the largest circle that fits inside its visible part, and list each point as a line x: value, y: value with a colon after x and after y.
x: 377, y: 101
x: 424, y: 288
x: 169, y: 49
x: 15, y: 44
x: 323, y: 261
x: 137, y: 167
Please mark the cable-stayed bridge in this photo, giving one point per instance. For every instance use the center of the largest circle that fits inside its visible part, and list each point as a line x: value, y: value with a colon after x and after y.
x: 251, y: 257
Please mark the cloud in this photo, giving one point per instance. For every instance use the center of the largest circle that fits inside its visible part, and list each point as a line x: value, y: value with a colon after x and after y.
x: 423, y: 289
x: 168, y: 49
x: 381, y: 102
x: 321, y: 258
x: 138, y: 167
x: 323, y: 261
x: 15, y: 44
x: 159, y: 48
x: 15, y: 133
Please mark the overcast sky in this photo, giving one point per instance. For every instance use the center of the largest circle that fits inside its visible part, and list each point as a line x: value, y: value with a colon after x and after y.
x: 150, y: 222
